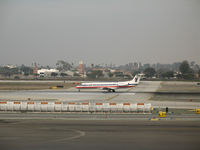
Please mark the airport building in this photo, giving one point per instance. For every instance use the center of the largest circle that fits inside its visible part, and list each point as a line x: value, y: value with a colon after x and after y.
x: 46, y: 72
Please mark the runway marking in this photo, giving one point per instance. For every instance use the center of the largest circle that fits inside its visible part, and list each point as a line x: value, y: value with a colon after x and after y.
x: 80, y: 134
x: 149, y: 98
x: 130, y: 89
x: 110, y: 98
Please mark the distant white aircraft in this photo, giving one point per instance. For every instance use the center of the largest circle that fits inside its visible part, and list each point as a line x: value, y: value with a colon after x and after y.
x: 110, y: 86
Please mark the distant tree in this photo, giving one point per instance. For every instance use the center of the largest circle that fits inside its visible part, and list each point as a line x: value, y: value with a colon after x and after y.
x: 7, y: 72
x: 110, y: 74
x: 63, y: 74
x: 26, y: 70
x: 95, y: 74
x: 186, y: 71
x: 192, y: 63
x: 168, y: 74
x: 149, y: 72
x: 184, y: 67
x: 63, y: 65
x: 160, y: 72
x: 175, y: 66
x: 16, y: 77
x: 134, y: 72
x: 119, y: 74
x: 76, y: 75
x: 179, y: 76
x: 191, y: 74
x: 54, y: 74
x: 145, y: 66
x: 46, y: 67
x: 14, y: 71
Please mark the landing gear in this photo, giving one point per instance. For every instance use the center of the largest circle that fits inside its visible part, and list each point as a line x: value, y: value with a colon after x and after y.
x: 79, y: 90
x: 111, y: 90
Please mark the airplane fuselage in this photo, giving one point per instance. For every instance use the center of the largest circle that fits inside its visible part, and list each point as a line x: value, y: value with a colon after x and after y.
x: 103, y: 85
x: 110, y: 86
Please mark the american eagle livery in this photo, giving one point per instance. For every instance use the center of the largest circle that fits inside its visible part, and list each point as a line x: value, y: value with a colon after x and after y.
x: 110, y: 86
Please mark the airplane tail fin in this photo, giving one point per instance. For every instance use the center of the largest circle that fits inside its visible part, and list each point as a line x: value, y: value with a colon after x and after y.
x: 136, y: 79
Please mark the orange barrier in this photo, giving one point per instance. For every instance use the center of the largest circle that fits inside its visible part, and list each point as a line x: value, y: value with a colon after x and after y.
x: 71, y: 103
x: 127, y: 104
x: 44, y: 102
x: 30, y: 102
x: 85, y: 103
x: 112, y: 104
x: 99, y: 103
x: 57, y: 103
x: 140, y: 103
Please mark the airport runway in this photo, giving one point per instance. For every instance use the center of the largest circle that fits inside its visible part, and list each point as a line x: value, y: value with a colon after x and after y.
x: 72, y: 94
x: 146, y: 91
x: 98, y: 135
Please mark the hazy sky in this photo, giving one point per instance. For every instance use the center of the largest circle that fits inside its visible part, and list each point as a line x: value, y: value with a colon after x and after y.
x: 99, y: 31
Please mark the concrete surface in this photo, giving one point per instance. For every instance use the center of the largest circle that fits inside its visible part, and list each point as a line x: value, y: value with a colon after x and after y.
x: 98, y: 135
x: 146, y: 92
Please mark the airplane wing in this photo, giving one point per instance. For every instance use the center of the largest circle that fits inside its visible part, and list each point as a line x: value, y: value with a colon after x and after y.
x: 108, y: 88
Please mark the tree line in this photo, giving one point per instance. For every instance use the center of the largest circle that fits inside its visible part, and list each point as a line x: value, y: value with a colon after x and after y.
x: 184, y: 71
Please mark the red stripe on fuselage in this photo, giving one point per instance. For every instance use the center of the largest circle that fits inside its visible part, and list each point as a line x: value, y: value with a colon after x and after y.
x: 95, y: 87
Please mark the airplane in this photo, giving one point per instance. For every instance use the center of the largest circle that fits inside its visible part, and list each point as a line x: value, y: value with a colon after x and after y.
x: 110, y: 86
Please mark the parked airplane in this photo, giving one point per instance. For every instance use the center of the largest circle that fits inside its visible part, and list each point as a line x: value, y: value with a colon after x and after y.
x: 110, y: 86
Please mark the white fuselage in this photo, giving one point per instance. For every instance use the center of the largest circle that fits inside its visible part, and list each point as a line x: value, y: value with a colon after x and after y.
x: 109, y: 85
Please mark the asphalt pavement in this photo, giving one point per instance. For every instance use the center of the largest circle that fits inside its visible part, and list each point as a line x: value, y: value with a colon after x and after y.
x: 98, y: 134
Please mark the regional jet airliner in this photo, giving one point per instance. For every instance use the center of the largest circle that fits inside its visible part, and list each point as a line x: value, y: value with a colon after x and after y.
x: 110, y: 86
